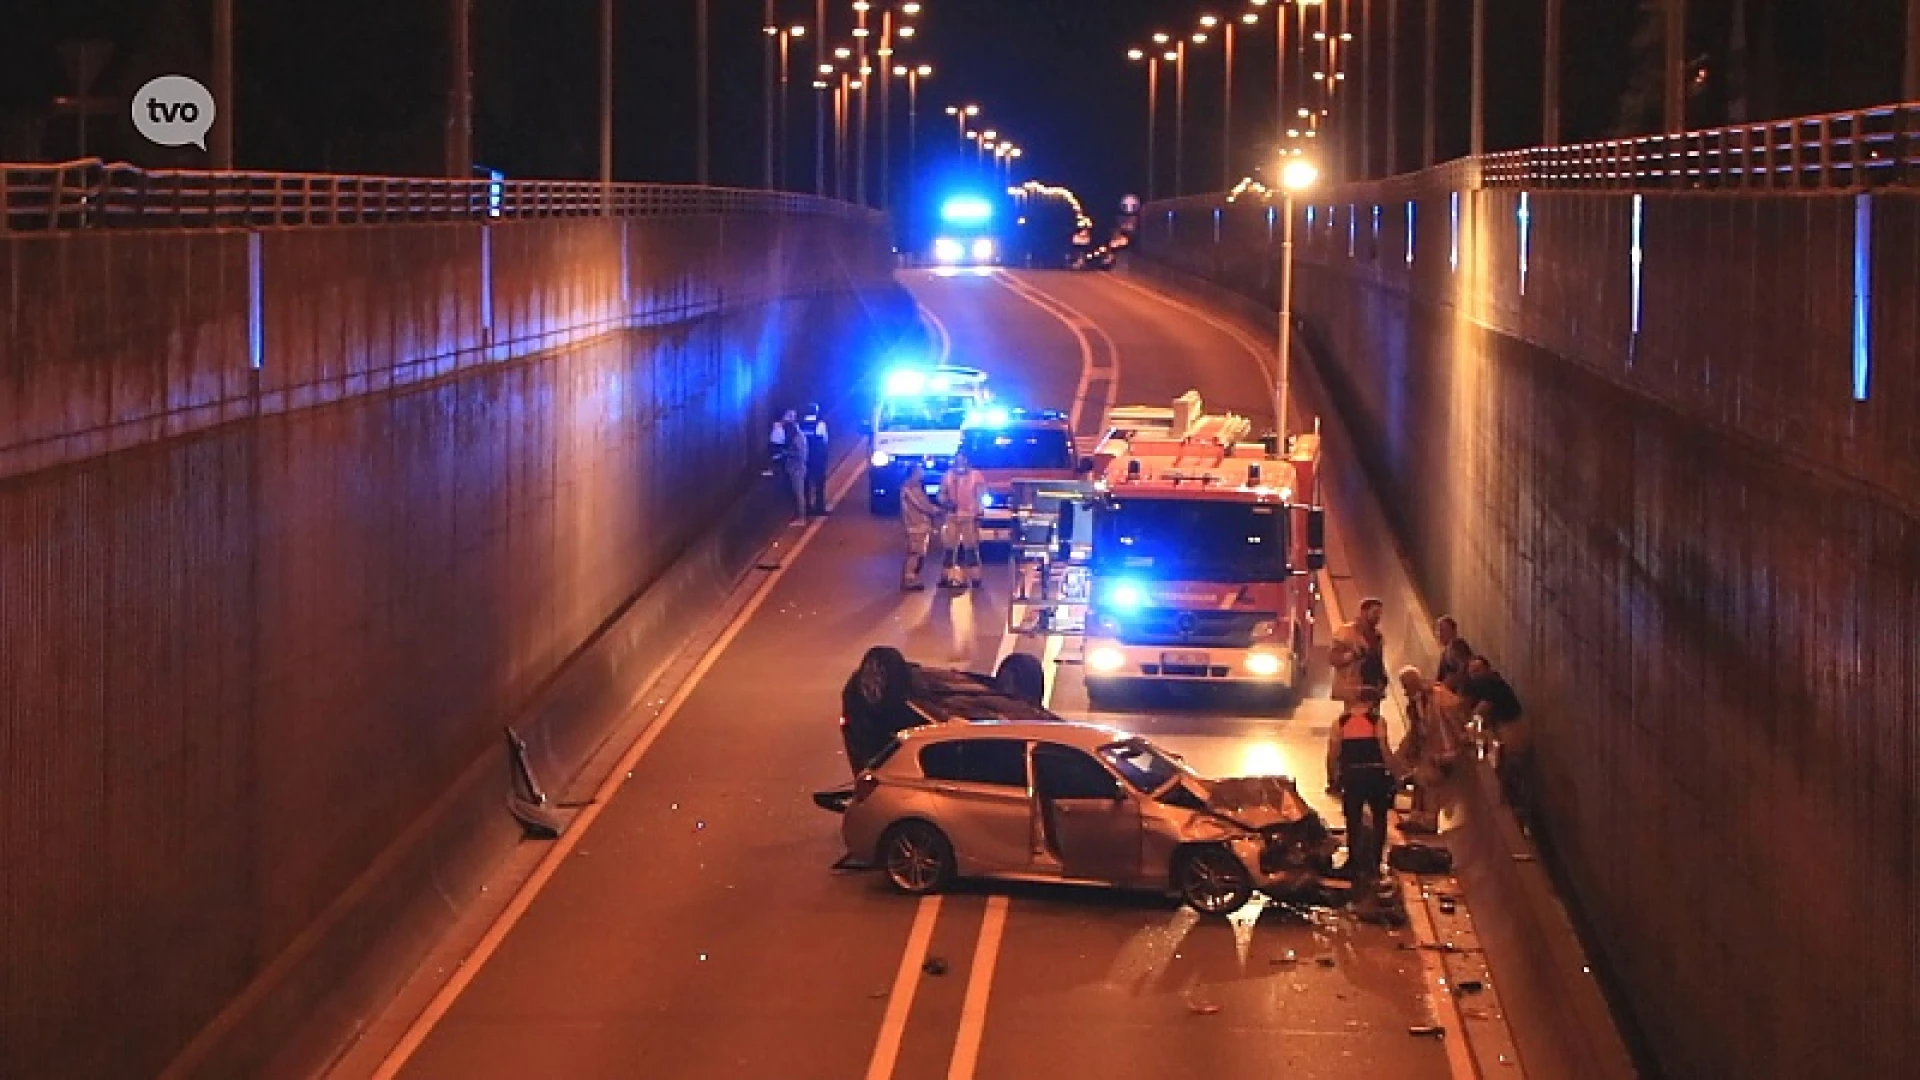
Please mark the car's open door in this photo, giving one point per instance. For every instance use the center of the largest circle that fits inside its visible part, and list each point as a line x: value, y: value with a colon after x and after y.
x: 1052, y: 547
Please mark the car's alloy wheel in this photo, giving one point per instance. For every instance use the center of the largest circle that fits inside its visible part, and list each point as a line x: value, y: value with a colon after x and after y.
x: 917, y: 857
x: 1213, y: 882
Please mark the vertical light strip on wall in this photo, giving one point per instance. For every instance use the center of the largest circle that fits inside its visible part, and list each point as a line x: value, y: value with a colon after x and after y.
x: 1638, y: 208
x: 1525, y: 214
x: 486, y: 284
x: 256, y: 324
x: 1272, y: 215
x: 1376, y: 230
x: 1353, y: 227
x: 1862, y: 294
x: 1410, y: 206
x: 1453, y: 216
x: 1216, y: 224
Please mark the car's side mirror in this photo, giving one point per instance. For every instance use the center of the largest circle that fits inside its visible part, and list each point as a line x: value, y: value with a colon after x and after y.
x: 1316, y: 538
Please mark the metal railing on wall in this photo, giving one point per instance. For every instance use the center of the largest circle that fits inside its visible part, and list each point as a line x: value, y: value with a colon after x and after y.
x: 94, y: 194
x: 1876, y: 147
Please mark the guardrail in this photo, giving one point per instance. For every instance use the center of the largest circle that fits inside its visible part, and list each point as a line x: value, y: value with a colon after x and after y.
x: 1874, y: 147
x: 93, y: 194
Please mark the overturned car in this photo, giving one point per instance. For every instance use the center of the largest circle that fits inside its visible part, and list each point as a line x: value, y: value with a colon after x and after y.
x: 1026, y: 796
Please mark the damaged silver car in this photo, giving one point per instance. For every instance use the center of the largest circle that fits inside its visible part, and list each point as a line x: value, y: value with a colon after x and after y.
x: 1075, y: 803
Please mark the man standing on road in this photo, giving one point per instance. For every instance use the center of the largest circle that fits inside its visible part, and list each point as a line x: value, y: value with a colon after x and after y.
x: 794, y: 463
x: 1358, y: 654
x: 921, y: 516
x: 960, y: 493
x: 815, y: 429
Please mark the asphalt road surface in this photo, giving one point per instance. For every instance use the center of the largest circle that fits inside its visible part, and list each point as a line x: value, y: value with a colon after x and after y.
x: 697, y: 929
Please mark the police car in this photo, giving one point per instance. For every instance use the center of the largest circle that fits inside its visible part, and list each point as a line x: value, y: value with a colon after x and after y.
x: 918, y: 419
x: 1005, y: 445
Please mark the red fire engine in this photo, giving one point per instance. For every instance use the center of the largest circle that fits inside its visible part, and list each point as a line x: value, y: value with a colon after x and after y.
x: 1198, y: 563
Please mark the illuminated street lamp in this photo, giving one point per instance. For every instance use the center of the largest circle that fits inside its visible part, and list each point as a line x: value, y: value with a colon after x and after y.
x: 1296, y: 176
x: 1153, y: 104
x: 960, y: 114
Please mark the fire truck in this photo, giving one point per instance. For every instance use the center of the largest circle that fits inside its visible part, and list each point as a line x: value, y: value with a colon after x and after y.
x: 1195, y: 560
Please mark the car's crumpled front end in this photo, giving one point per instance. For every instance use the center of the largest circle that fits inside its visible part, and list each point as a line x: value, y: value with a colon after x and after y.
x: 1281, y: 840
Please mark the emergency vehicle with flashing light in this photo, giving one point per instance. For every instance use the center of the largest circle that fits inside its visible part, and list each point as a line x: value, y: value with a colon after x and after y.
x: 1196, y: 564
x: 1005, y: 445
x: 918, y: 418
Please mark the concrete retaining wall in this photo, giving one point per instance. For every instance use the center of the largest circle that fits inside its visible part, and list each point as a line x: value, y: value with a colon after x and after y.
x: 282, y: 624
x: 1692, y: 550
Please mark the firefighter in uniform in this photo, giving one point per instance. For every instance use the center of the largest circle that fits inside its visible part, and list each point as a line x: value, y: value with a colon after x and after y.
x: 960, y: 494
x: 815, y: 429
x: 1360, y: 771
x: 921, y: 516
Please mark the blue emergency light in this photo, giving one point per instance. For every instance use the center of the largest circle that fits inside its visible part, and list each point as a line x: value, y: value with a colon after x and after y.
x: 966, y: 210
x: 906, y: 383
x: 995, y: 417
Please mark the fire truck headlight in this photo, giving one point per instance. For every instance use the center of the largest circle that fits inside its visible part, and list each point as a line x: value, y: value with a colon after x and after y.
x: 986, y: 501
x: 1106, y: 659
x: 1265, y: 630
x: 881, y: 459
x: 948, y: 250
x: 982, y: 249
x: 1263, y: 664
x: 1127, y: 596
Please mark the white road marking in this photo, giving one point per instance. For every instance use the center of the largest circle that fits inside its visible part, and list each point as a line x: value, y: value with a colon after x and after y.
x: 1083, y: 329
x: 557, y: 855
x: 973, y: 1009
x: 939, y: 331
x: 893, y: 1027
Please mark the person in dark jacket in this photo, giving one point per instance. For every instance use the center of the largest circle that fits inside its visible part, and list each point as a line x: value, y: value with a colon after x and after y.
x: 814, y: 427
x: 1491, y: 698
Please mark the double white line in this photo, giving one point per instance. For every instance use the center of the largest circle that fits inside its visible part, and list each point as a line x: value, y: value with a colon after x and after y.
x: 986, y: 951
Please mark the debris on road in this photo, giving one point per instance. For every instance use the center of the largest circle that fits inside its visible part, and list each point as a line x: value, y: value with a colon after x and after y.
x: 1433, y: 1031
x: 877, y: 995
x: 1326, y: 961
x: 1288, y: 957
x: 1471, y: 986
x: 934, y: 966
x: 1202, y: 1008
x: 1446, y: 905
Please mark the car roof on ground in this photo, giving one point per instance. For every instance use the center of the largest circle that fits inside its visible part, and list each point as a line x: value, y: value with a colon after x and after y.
x: 966, y: 695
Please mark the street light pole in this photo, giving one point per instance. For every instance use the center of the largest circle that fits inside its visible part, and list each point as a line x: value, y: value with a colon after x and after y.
x: 1296, y: 175
x: 1429, y: 142
x: 1179, y: 118
x: 606, y: 106
x: 1478, y: 143
x: 1393, y: 88
x: 1365, y: 56
x: 886, y: 109
x: 861, y: 68
x: 460, y: 92
x: 1676, y: 91
x: 700, y: 156
x: 766, y: 95
x: 1226, y: 116
x: 223, y: 114
x: 819, y: 100
x: 1550, y: 90
x: 784, y: 138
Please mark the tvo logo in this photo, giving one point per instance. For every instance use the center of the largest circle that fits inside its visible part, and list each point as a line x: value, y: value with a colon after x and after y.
x: 174, y: 110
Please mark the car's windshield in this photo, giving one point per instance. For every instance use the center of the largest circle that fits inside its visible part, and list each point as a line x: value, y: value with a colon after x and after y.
x: 1035, y: 448
x: 1142, y: 764
x: 1192, y: 539
x: 931, y: 413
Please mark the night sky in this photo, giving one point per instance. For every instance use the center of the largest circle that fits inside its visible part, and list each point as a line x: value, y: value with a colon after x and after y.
x: 359, y: 85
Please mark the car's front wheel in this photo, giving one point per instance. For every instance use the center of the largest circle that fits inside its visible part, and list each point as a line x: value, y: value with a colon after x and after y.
x: 917, y: 857
x: 1212, y: 881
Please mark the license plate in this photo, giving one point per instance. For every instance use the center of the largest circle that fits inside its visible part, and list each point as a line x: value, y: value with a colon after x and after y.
x: 1184, y: 659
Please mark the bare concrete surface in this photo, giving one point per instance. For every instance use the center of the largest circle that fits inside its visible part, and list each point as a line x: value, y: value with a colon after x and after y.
x: 696, y: 929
